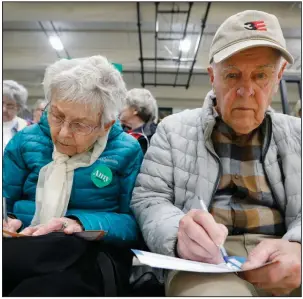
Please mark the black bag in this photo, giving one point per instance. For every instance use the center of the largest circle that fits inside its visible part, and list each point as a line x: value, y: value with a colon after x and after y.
x: 28, y: 257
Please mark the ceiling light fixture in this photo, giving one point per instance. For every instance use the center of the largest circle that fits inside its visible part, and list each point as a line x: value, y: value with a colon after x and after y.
x: 184, y: 45
x: 56, y: 43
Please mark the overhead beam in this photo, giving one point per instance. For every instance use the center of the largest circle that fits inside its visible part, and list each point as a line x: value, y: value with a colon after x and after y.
x: 289, y: 33
x: 124, y: 11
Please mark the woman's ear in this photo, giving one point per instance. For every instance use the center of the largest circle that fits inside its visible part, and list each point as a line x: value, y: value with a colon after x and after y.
x: 106, y: 128
x: 108, y: 125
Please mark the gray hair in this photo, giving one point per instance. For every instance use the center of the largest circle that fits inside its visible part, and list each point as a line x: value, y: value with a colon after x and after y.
x: 15, y: 91
x: 92, y: 81
x: 39, y: 102
x: 143, y: 101
x: 297, y: 109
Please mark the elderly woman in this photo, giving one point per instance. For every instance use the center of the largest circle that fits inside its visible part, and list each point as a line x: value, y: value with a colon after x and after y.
x: 75, y: 170
x: 13, y: 100
x: 297, y: 109
x: 139, y: 116
x: 38, y: 110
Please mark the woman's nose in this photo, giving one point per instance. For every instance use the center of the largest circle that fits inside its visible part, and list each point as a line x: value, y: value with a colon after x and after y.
x: 65, y: 129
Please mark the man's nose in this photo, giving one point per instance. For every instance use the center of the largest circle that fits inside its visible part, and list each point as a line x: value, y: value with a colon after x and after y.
x: 246, y: 90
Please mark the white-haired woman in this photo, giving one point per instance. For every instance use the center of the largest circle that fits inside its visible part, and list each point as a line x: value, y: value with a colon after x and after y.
x: 14, y: 100
x: 140, y: 115
x: 298, y: 109
x: 38, y: 109
x: 74, y: 170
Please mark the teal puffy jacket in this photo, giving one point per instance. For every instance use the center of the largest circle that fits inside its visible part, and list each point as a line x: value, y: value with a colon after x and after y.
x: 104, y: 208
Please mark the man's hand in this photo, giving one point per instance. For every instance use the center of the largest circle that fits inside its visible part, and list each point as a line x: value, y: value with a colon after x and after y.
x: 12, y: 225
x: 199, y: 236
x: 281, y: 277
x: 66, y: 225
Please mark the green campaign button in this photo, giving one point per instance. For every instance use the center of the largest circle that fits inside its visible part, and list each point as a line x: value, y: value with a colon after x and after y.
x: 102, y: 176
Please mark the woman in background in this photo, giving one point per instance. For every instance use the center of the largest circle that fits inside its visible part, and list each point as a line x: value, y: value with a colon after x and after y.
x: 38, y: 110
x: 139, y: 116
x: 14, y: 99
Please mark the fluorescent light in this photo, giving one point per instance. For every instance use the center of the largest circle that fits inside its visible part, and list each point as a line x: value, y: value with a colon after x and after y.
x: 56, y: 43
x: 184, y: 45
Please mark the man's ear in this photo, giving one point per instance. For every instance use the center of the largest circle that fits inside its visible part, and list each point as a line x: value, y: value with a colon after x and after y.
x: 210, y: 71
x: 280, y: 75
x: 281, y: 71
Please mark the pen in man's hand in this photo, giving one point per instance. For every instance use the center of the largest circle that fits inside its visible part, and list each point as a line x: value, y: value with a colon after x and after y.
x: 221, y: 247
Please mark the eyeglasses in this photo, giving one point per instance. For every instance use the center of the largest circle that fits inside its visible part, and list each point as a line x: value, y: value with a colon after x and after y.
x: 10, y: 107
x: 76, y: 127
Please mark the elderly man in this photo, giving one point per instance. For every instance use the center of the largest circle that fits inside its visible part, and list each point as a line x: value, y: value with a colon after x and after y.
x: 241, y: 159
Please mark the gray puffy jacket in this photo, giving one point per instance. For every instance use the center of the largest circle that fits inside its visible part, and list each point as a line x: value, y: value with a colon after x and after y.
x: 179, y: 169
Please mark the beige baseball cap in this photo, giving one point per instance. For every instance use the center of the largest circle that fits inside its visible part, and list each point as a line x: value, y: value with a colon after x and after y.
x: 248, y: 29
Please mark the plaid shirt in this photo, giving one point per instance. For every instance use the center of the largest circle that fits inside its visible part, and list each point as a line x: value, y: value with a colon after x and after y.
x: 243, y: 201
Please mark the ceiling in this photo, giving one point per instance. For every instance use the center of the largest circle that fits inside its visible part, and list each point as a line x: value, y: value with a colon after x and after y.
x: 110, y: 29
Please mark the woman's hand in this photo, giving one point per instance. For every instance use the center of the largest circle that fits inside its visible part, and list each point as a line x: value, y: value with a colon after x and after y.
x: 12, y: 225
x: 64, y: 224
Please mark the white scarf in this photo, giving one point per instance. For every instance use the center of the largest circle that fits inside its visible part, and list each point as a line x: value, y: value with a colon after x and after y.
x: 56, y: 179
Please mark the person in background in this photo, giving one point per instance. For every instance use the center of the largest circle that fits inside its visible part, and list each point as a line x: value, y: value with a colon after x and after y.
x: 14, y: 99
x: 74, y: 170
x: 139, y: 116
x: 240, y: 160
x: 298, y: 110
x: 38, y: 110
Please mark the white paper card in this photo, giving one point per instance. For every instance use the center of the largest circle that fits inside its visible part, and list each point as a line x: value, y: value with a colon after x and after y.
x: 167, y: 262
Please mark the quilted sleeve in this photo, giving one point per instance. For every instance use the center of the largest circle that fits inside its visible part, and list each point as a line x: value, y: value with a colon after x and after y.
x: 291, y: 167
x: 153, y: 196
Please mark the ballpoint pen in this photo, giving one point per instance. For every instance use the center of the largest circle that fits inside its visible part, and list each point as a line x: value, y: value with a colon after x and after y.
x: 221, y: 247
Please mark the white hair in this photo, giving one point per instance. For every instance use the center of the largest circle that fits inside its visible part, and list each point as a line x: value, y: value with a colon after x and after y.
x: 92, y: 81
x: 143, y: 101
x: 39, y: 102
x: 15, y: 91
x: 297, y: 109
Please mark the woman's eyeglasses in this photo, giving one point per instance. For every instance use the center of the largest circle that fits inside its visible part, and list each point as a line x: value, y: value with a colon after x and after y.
x: 76, y: 127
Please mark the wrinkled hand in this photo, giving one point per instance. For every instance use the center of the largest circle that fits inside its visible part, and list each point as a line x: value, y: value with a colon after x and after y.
x: 12, y: 225
x: 54, y: 225
x: 281, y: 277
x: 199, y: 236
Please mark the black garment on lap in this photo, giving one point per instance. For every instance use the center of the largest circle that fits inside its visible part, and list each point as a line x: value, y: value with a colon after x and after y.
x: 64, y: 265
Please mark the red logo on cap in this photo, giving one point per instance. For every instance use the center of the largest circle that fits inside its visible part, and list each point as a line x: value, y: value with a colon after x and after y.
x: 255, y: 25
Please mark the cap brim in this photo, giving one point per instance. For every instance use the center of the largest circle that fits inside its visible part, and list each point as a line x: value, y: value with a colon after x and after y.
x: 240, y: 46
